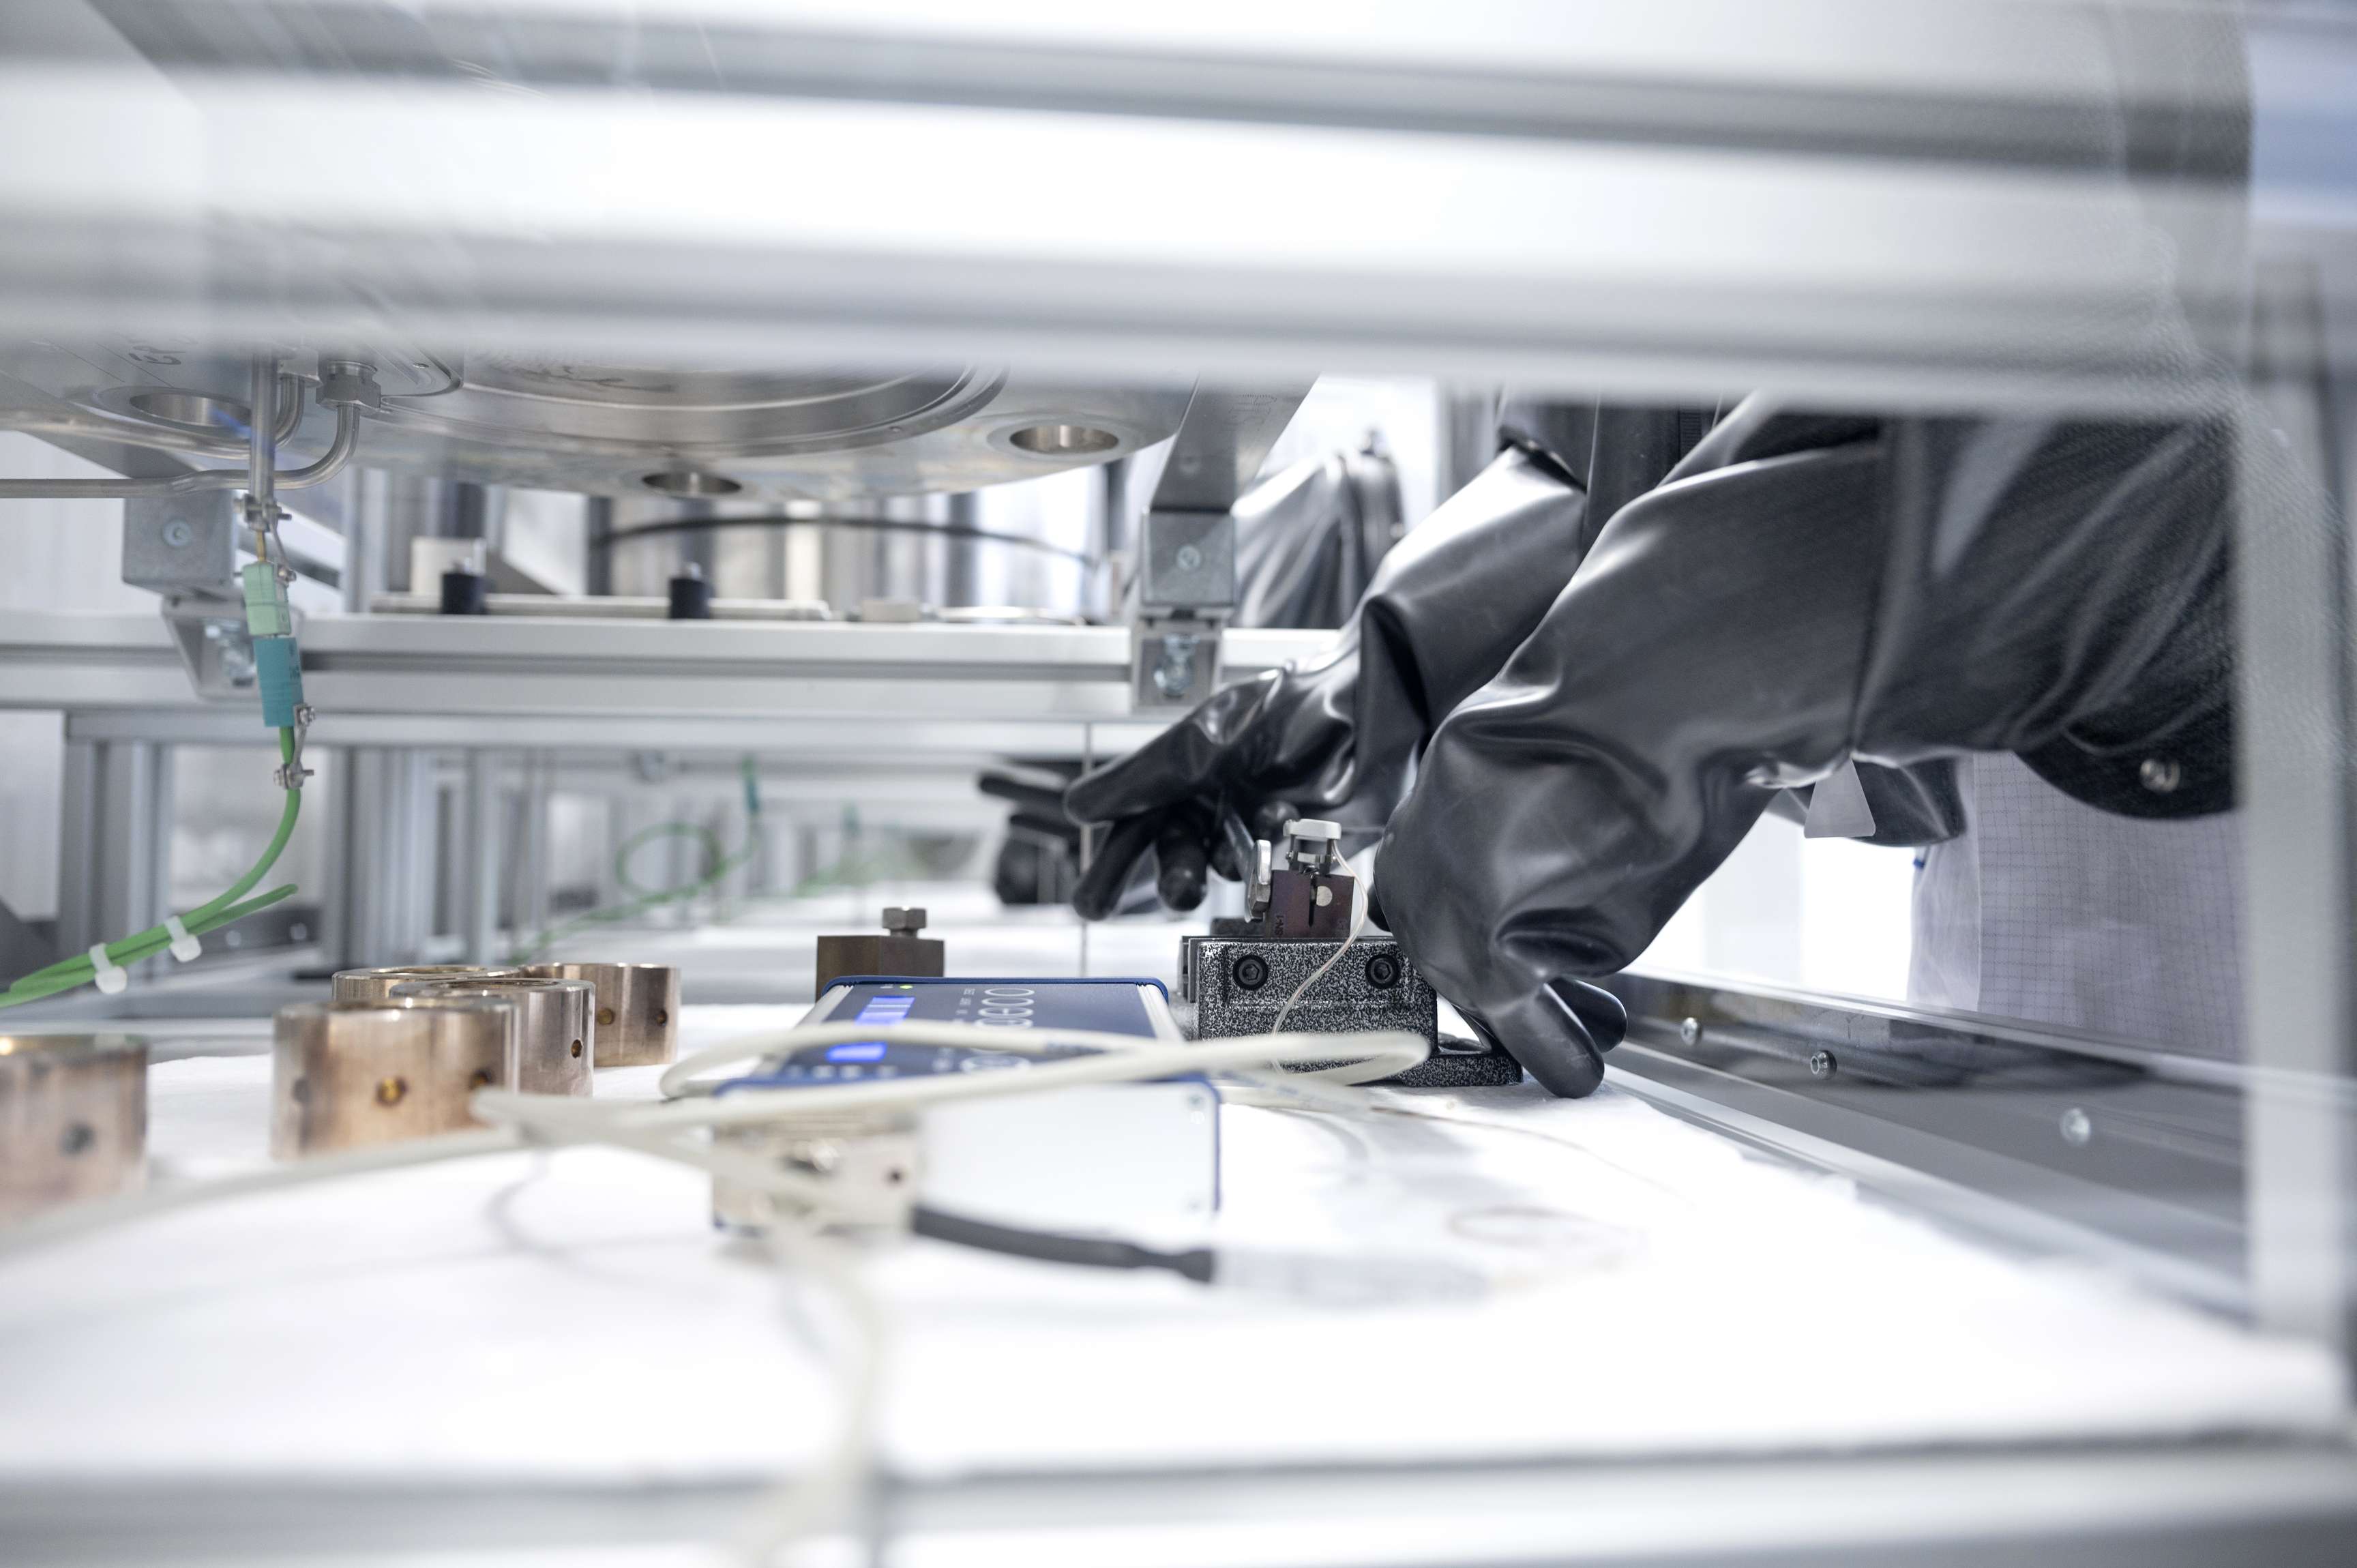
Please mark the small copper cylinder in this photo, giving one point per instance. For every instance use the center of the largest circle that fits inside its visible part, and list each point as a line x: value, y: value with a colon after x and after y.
x: 553, y: 1051
x: 346, y: 1074
x: 376, y: 985
x: 637, y: 1009
x: 73, y: 1118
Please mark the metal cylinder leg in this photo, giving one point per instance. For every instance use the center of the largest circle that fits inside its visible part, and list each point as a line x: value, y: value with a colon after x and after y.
x: 637, y: 1009
x: 551, y: 1050
x: 73, y: 1118
x: 345, y: 1075
x: 377, y: 984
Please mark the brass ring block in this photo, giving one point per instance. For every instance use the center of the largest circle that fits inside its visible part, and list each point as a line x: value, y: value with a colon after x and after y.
x: 554, y: 1051
x: 73, y: 1118
x: 376, y: 985
x: 637, y: 1009
x: 347, y: 1074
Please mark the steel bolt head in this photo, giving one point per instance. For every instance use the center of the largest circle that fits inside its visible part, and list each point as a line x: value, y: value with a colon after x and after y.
x: 1188, y: 558
x: 2159, y: 775
x: 1822, y: 1065
x: 2077, y: 1127
x: 1250, y: 972
x: 1690, y: 1030
x: 177, y: 534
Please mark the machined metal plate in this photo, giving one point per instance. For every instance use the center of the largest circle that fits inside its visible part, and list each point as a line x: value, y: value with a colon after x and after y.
x: 606, y: 426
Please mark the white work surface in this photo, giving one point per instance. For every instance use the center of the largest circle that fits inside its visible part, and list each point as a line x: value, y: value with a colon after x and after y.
x: 1656, y: 1291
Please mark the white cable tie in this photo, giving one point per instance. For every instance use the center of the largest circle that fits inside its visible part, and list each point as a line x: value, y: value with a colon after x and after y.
x: 185, y: 947
x: 112, y: 976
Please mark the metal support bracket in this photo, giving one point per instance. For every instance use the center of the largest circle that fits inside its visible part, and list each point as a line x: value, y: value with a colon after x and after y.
x: 184, y: 549
x: 1187, y: 546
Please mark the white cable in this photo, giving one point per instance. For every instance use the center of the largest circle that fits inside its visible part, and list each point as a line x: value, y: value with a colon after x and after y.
x: 81, y: 1219
x: 112, y: 976
x: 1375, y: 1054
x: 1358, y: 923
x: 185, y: 947
x: 821, y: 1496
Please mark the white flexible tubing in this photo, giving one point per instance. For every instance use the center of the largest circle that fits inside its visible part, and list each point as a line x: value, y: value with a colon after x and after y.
x: 1358, y: 923
x: 80, y: 1218
x: 1377, y: 1054
x: 821, y: 1496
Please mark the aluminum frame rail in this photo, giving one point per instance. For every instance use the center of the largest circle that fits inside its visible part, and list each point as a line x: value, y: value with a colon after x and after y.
x: 2038, y: 1137
x: 434, y: 680
x: 1887, y: 201
x: 2182, y: 1506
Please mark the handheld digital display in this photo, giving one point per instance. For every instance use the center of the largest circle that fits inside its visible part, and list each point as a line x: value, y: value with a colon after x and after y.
x: 1110, y: 1006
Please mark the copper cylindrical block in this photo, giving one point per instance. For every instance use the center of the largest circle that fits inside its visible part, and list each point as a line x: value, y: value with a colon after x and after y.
x: 345, y: 1074
x: 376, y: 985
x: 73, y: 1118
x: 555, y: 1027
x: 637, y: 1009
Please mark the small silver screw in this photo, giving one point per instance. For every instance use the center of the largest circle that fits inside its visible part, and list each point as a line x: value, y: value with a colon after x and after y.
x: 2077, y: 1127
x: 1188, y: 558
x: 2159, y: 775
x: 1822, y: 1065
x: 1690, y: 1031
x: 178, y: 533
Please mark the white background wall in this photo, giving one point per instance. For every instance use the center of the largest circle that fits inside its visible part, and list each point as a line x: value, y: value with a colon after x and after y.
x: 1828, y: 915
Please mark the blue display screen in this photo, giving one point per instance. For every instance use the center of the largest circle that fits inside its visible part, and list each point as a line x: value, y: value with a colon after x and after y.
x: 863, y: 1051
x: 1112, y: 1006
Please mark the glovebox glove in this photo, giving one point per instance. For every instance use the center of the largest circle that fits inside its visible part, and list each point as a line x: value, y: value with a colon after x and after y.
x: 1800, y: 593
x: 1336, y: 736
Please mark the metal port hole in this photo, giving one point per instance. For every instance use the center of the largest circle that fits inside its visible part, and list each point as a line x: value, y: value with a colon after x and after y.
x: 77, y: 1138
x: 1062, y: 440
x: 480, y: 1080
x: 1251, y: 972
x: 194, y: 410
x: 391, y: 1091
x: 1384, y: 970
x: 576, y: 1047
x: 605, y: 1018
x: 301, y: 1091
x: 690, y: 482
x: 663, y: 1016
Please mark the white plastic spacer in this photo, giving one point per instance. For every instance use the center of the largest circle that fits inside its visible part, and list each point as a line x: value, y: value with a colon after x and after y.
x: 112, y: 976
x: 184, y: 947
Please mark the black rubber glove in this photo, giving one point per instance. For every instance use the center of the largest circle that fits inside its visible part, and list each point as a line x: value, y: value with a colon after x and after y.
x: 1798, y: 594
x: 1337, y: 737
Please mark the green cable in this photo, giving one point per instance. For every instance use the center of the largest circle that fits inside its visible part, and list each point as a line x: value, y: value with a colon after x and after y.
x: 716, y: 867
x: 67, y: 974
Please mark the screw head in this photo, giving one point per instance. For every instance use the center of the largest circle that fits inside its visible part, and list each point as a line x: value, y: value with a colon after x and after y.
x: 1188, y: 558
x: 1384, y: 970
x: 2160, y: 775
x: 1822, y: 1065
x: 1249, y: 972
x: 605, y: 1018
x: 2077, y: 1127
x: 391, y: 1091
x: 178, y: 533
x: 1690, y: 1030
